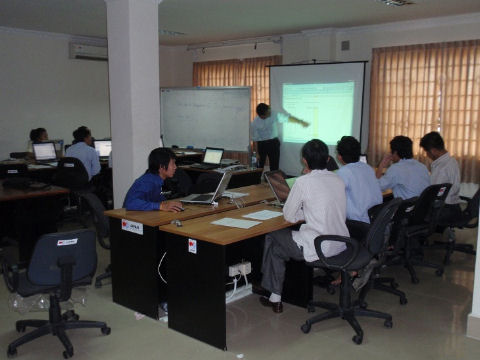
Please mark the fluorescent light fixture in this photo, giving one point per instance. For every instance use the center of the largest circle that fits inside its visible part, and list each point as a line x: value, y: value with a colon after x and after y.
x: 396, y: 2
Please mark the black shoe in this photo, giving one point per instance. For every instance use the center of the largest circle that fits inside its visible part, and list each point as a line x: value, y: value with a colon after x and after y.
x: 277, y: 307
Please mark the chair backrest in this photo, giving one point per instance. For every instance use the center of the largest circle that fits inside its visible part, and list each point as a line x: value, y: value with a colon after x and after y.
x: 50, y: 248
x: 376, y: 238
x: 71, y: 174
x: 429, y: 204
x: 472, y: 206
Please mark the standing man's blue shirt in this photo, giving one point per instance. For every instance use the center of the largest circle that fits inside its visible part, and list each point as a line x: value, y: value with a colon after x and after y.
x: 362, y: 190
x: 407, y: 178
x: 145, y: 193
x: 87, y: 155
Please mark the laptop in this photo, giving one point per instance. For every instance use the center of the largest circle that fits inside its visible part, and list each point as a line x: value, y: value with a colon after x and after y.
x: 278, y: 184
x: 211, y: 160
x: 44, y: 153
x: 209, y: 198
x: 103, y: 148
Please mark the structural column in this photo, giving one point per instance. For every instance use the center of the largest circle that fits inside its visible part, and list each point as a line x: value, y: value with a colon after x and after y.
x: 134, y: 88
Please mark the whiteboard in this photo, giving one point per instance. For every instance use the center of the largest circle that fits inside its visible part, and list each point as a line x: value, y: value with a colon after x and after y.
x: 201, y: 117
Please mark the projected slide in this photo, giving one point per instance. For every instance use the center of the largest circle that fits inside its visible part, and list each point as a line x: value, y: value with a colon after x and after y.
x: 328, y: 107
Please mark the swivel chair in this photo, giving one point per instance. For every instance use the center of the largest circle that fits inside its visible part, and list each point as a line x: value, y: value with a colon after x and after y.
x: 60, y: 262
x: 356, y: 257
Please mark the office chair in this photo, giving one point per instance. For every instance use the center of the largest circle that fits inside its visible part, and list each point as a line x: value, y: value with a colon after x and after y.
x: 72, y: 175
x: 60, y: 262
x: 354, y: 258
x: 468, y: 219
x: 179, y: 185
x: 417, y: 226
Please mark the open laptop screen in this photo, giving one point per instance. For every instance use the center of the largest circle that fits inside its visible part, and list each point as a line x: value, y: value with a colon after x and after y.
x: 278, y: 185
x: 103, y: 147
x: 213, y: 156
x: 44, y: 151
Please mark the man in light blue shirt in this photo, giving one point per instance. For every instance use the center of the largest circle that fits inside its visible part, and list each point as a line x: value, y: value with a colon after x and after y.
x: 83, y: 151
x: 406, y: 176
x: 361, y: 186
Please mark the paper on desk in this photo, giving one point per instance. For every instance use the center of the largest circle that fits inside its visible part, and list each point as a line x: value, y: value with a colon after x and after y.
x: 238, y: 223
x: 234, y: 195
x: 263, y: 215
x: 190, y: 153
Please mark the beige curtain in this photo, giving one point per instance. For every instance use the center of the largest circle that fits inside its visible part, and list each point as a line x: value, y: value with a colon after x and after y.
x: 421, y: 88
x: 252, y: 72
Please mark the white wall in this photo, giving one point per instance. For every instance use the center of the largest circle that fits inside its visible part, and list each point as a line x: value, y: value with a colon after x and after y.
x: 41, y: 87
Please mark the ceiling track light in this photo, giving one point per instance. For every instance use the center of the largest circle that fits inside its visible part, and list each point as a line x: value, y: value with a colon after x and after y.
x: 396, y: 2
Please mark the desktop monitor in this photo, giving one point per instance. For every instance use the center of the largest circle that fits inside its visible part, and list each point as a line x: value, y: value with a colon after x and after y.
x: 103, y: 148
x: 44, y: 151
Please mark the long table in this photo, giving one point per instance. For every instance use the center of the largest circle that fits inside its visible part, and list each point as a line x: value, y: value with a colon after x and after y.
x: 138, y: 245
x: 199, y: 254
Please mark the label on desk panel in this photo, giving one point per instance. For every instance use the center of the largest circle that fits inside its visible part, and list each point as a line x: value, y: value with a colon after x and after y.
x: 192, y: 246
x: 132, y: 226
x: 67, y: 242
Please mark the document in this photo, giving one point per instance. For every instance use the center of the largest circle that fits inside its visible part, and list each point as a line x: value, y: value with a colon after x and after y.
x: 237, y: 223
x: 234, y: 195
x: 263, y: 215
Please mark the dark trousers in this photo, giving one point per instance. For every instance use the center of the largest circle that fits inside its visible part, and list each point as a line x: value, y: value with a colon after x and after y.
x: 270, y: 148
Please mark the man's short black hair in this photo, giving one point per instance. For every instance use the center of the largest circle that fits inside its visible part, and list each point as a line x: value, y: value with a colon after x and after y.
x: 81, y: 133
x: 432, y: 140
x: 349, y: 149
x: 262, y: 109
x: 403, y: 146
x: 315, y: 153
x: 159, y: 158
x: 36, y: 133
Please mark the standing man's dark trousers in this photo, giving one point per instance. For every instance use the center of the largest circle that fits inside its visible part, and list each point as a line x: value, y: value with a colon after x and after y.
x: 270, y: 148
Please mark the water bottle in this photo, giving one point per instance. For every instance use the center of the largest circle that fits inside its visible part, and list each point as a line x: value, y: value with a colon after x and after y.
x: 254, y: 159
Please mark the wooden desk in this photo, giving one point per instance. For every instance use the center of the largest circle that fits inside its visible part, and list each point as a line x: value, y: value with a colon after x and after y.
x: 135, y: 256
x: 27, y: 214
x: 251, y: 176
x: 196, y: 290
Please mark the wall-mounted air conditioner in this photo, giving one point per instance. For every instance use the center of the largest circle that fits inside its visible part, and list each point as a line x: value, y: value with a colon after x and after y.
x: 88, y: 52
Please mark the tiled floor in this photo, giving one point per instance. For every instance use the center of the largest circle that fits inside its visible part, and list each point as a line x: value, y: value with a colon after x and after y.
x: 431, y: 326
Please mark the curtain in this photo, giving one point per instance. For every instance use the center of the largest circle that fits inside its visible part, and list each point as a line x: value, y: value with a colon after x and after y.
x: 431, y: 87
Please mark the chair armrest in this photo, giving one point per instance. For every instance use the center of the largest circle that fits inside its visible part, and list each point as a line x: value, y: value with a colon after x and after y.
x: 10, y: 275
x: 342, y: 260
x: 66, y: 264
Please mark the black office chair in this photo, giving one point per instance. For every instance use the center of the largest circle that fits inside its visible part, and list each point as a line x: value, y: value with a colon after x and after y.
x: 467, y: 219
x: 60, y: 262
x: 355, y: 258
x: 179, y: 185
x: 72, y: 175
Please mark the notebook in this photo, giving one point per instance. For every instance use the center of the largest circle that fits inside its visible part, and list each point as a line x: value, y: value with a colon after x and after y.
x: 278, y: 184
x: 211, y: 160
x: 103, y: 148
x: 209, y: 198
x: 44, y: 153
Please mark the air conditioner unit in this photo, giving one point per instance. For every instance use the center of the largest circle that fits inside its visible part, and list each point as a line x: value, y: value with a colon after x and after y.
x: 88, y: 52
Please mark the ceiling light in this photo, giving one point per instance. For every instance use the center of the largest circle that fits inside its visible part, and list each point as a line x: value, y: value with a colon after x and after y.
x: 396, y: 2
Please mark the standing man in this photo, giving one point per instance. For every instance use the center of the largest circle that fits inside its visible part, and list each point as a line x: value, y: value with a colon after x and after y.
x: 406, y: 176
x: 317, y: 198
x: 444, y: 170
x: 146, y: 192
x: 82, y: 150
x: 361, y: 186
x: 265, y: 134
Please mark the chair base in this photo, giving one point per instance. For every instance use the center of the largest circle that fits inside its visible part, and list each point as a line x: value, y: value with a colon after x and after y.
x: 106, y: 275
x: 57, y: 326
x: 451, y: 246
x: 386, y: 284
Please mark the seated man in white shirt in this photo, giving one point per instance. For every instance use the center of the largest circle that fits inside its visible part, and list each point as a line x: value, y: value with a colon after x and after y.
x: 406, y: 176
x: 361, y: 185
x: 83, y: 151
x: 318, y: 199
x: 444, y: 169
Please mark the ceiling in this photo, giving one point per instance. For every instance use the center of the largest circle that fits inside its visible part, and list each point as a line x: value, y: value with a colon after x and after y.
x: 218, y: 20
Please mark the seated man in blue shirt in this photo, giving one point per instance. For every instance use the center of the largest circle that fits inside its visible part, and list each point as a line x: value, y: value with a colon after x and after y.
x: 83, y: 151
x: 406, y: 176
x: 146, y: 192
x: 361, y: 186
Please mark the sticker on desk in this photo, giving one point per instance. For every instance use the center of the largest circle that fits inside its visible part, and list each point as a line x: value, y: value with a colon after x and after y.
x: 67, y: 242
x: 132, y: 226
x: 192, y: 246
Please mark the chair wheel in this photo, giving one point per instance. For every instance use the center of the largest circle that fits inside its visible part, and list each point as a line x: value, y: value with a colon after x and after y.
x: 67, y: 354
x: 310, y: 308
x: 357, y: 339
x: 403, y: 301
x: 388, y: 324
x: 306, y: 328
x: 106, y: 330
x: 394, y: 285
x: 20, y: 328
x: 363, y: 304
x: 439, y: 272
x: 415, y: 280
x: 11, y: 352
